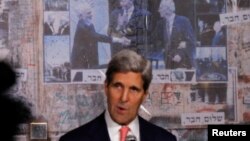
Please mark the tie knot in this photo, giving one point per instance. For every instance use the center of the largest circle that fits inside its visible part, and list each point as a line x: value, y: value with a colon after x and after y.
x: 123, y: 132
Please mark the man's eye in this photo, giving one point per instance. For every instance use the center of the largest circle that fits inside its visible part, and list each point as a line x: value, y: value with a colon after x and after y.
x: 134, y: 90
x: 117, y: 86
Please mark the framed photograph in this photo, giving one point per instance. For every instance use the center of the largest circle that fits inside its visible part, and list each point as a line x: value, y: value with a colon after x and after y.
x: 38, y: 130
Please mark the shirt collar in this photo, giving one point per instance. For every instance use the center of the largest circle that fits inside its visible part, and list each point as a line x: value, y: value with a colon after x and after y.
x: 113, y: 127
x: 171, y: 18
x: 131, y: 9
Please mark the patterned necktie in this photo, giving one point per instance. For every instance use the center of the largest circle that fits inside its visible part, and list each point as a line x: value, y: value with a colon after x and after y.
x: 123, y: 133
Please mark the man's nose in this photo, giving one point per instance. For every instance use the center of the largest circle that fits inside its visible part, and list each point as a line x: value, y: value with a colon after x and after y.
x: 125, y: 95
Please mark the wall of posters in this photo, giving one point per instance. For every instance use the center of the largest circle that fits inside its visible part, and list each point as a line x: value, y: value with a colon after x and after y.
x: 60, y: 49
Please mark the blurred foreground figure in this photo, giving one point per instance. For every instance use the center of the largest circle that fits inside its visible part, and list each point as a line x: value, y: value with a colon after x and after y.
x: 13, y: 111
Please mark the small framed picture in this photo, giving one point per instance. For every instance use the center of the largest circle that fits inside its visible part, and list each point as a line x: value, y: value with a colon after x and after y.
x: 38, y: 130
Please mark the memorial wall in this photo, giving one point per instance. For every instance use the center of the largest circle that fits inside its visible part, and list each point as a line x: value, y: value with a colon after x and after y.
x: 62, y: 82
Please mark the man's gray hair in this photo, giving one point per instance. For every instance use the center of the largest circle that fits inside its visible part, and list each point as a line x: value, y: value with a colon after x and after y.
x: 169, y: 4
x: 83, y: 9
x: 126, y: 61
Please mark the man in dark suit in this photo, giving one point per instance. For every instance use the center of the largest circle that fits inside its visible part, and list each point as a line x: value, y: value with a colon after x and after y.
x: 85, y: 48
x: 64, y: 27
x: 219, y: 38
x: 128, y: 20
x: 128, y: 77
x: 174, y: 36
x: 49, y: 26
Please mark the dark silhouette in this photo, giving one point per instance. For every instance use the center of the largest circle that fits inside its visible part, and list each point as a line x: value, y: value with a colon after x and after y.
x: 13, y: 111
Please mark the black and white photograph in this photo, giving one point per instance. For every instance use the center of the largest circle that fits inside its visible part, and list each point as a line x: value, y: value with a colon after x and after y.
x: 210, y: 93
x: 130, y: 24
x: 38, y: 130
x: 211, y: 64
x: 56, y: 24
x: 3, y: 27
x: 182, y: 76
x: 90, y: 44
x: 56, y: 63
x: 210, y: 6
x: 56, y: 5
x: 172, y: 39
x: 210, y: 32
x: 96, y: 37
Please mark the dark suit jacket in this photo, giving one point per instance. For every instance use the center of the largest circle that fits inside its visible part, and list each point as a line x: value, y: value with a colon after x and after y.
x: 181, y: 31
x: 96, y: 130
x: 85, y: 48
x: 134, y: 30
x: 63, y: 30
x: 47, y: 30
x: 219, y: 38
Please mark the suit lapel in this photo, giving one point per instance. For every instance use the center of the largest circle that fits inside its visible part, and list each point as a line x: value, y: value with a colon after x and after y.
x: 174, y: 28
x: 145, y: 133
x: 133, y: 18
x: 100, y: 130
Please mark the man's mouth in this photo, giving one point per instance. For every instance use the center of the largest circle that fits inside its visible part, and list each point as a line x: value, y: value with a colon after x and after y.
x: 121, y: 109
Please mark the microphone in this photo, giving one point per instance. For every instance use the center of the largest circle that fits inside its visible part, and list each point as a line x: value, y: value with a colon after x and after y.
x: 130, y: 138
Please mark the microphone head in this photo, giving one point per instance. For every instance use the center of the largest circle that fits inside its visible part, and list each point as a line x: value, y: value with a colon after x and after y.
x: 130, y: 138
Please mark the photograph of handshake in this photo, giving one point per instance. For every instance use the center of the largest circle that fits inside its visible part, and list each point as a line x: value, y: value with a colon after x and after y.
x: 122, y: 40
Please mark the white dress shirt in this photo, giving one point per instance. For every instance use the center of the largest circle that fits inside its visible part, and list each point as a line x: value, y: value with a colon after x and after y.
x: 171, y: 22
x: 129, y: 12
x: 113, y: 128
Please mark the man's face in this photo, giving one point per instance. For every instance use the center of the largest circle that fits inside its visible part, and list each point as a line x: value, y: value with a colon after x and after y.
x: 51, y: 19
x: 217, y: 26
x: 125, y: 3
x: 200, y: 23
x: 125, y: 94
x: 164, y: 8
x: 87, y: 15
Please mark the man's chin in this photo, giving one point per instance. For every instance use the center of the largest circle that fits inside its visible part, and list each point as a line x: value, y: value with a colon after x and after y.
x: 121, y: 120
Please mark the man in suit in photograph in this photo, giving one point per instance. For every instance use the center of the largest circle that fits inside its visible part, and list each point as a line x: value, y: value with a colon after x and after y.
x: 64, y: 27
x: 219, y: 38
x: 128, y: 77
x: 130, y: 21
x: 49, y: 28
x: 85, y: 47
x: 174, y: 36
